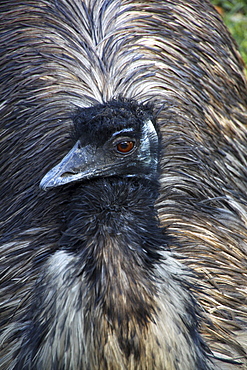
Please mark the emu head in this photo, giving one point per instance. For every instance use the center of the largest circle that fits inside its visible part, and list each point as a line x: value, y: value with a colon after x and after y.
x: 114, y: 139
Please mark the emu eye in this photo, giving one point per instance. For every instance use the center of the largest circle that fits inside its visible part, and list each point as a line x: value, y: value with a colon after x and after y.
x: 125, y: 146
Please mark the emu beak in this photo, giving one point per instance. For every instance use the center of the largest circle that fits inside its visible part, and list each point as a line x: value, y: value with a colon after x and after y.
x: 79, y: 163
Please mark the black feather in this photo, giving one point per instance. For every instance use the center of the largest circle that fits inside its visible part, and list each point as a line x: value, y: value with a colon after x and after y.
x: 143, y: 265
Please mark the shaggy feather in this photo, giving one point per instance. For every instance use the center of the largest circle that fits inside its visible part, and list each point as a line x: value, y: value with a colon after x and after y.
x: 59, y: 55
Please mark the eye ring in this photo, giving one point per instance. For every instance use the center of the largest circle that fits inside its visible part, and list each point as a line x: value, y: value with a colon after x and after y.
x: 125, y: 146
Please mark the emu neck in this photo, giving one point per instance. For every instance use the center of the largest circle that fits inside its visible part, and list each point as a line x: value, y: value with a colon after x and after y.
x: 113, y: 229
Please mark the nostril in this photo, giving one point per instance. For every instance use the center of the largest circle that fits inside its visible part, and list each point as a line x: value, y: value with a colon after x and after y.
x: 68, y: 173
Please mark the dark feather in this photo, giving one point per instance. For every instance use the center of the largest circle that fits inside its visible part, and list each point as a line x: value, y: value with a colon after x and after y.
x: 122, y: 272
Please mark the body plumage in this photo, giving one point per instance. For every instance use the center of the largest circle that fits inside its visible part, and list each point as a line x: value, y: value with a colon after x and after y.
x: 133, y: 269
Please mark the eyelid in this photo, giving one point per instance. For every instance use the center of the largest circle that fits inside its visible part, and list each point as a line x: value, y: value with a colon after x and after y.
x: 124, y: 132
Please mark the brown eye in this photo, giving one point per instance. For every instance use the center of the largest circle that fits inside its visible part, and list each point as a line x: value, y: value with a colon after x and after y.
x: 125, y: 146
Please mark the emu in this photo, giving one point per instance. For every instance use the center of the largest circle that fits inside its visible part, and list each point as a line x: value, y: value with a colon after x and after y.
x: 123, y: 182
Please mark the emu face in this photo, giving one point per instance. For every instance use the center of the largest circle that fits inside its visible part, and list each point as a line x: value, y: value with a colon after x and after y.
x: 115, y: 139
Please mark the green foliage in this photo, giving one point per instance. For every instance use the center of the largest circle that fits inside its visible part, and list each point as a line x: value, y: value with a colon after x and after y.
x: 234, y: 13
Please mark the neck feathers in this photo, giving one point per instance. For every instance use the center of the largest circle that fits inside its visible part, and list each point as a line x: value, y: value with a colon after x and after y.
x: 112, y: 296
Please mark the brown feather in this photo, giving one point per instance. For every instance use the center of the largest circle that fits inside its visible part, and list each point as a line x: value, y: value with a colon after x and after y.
x: 62, y: 54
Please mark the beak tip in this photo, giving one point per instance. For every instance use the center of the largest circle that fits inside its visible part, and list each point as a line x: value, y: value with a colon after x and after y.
x: 47, y: 181
x: 43, y: 185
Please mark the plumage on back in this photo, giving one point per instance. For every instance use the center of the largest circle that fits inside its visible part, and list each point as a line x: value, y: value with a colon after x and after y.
x: 88, y: 280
